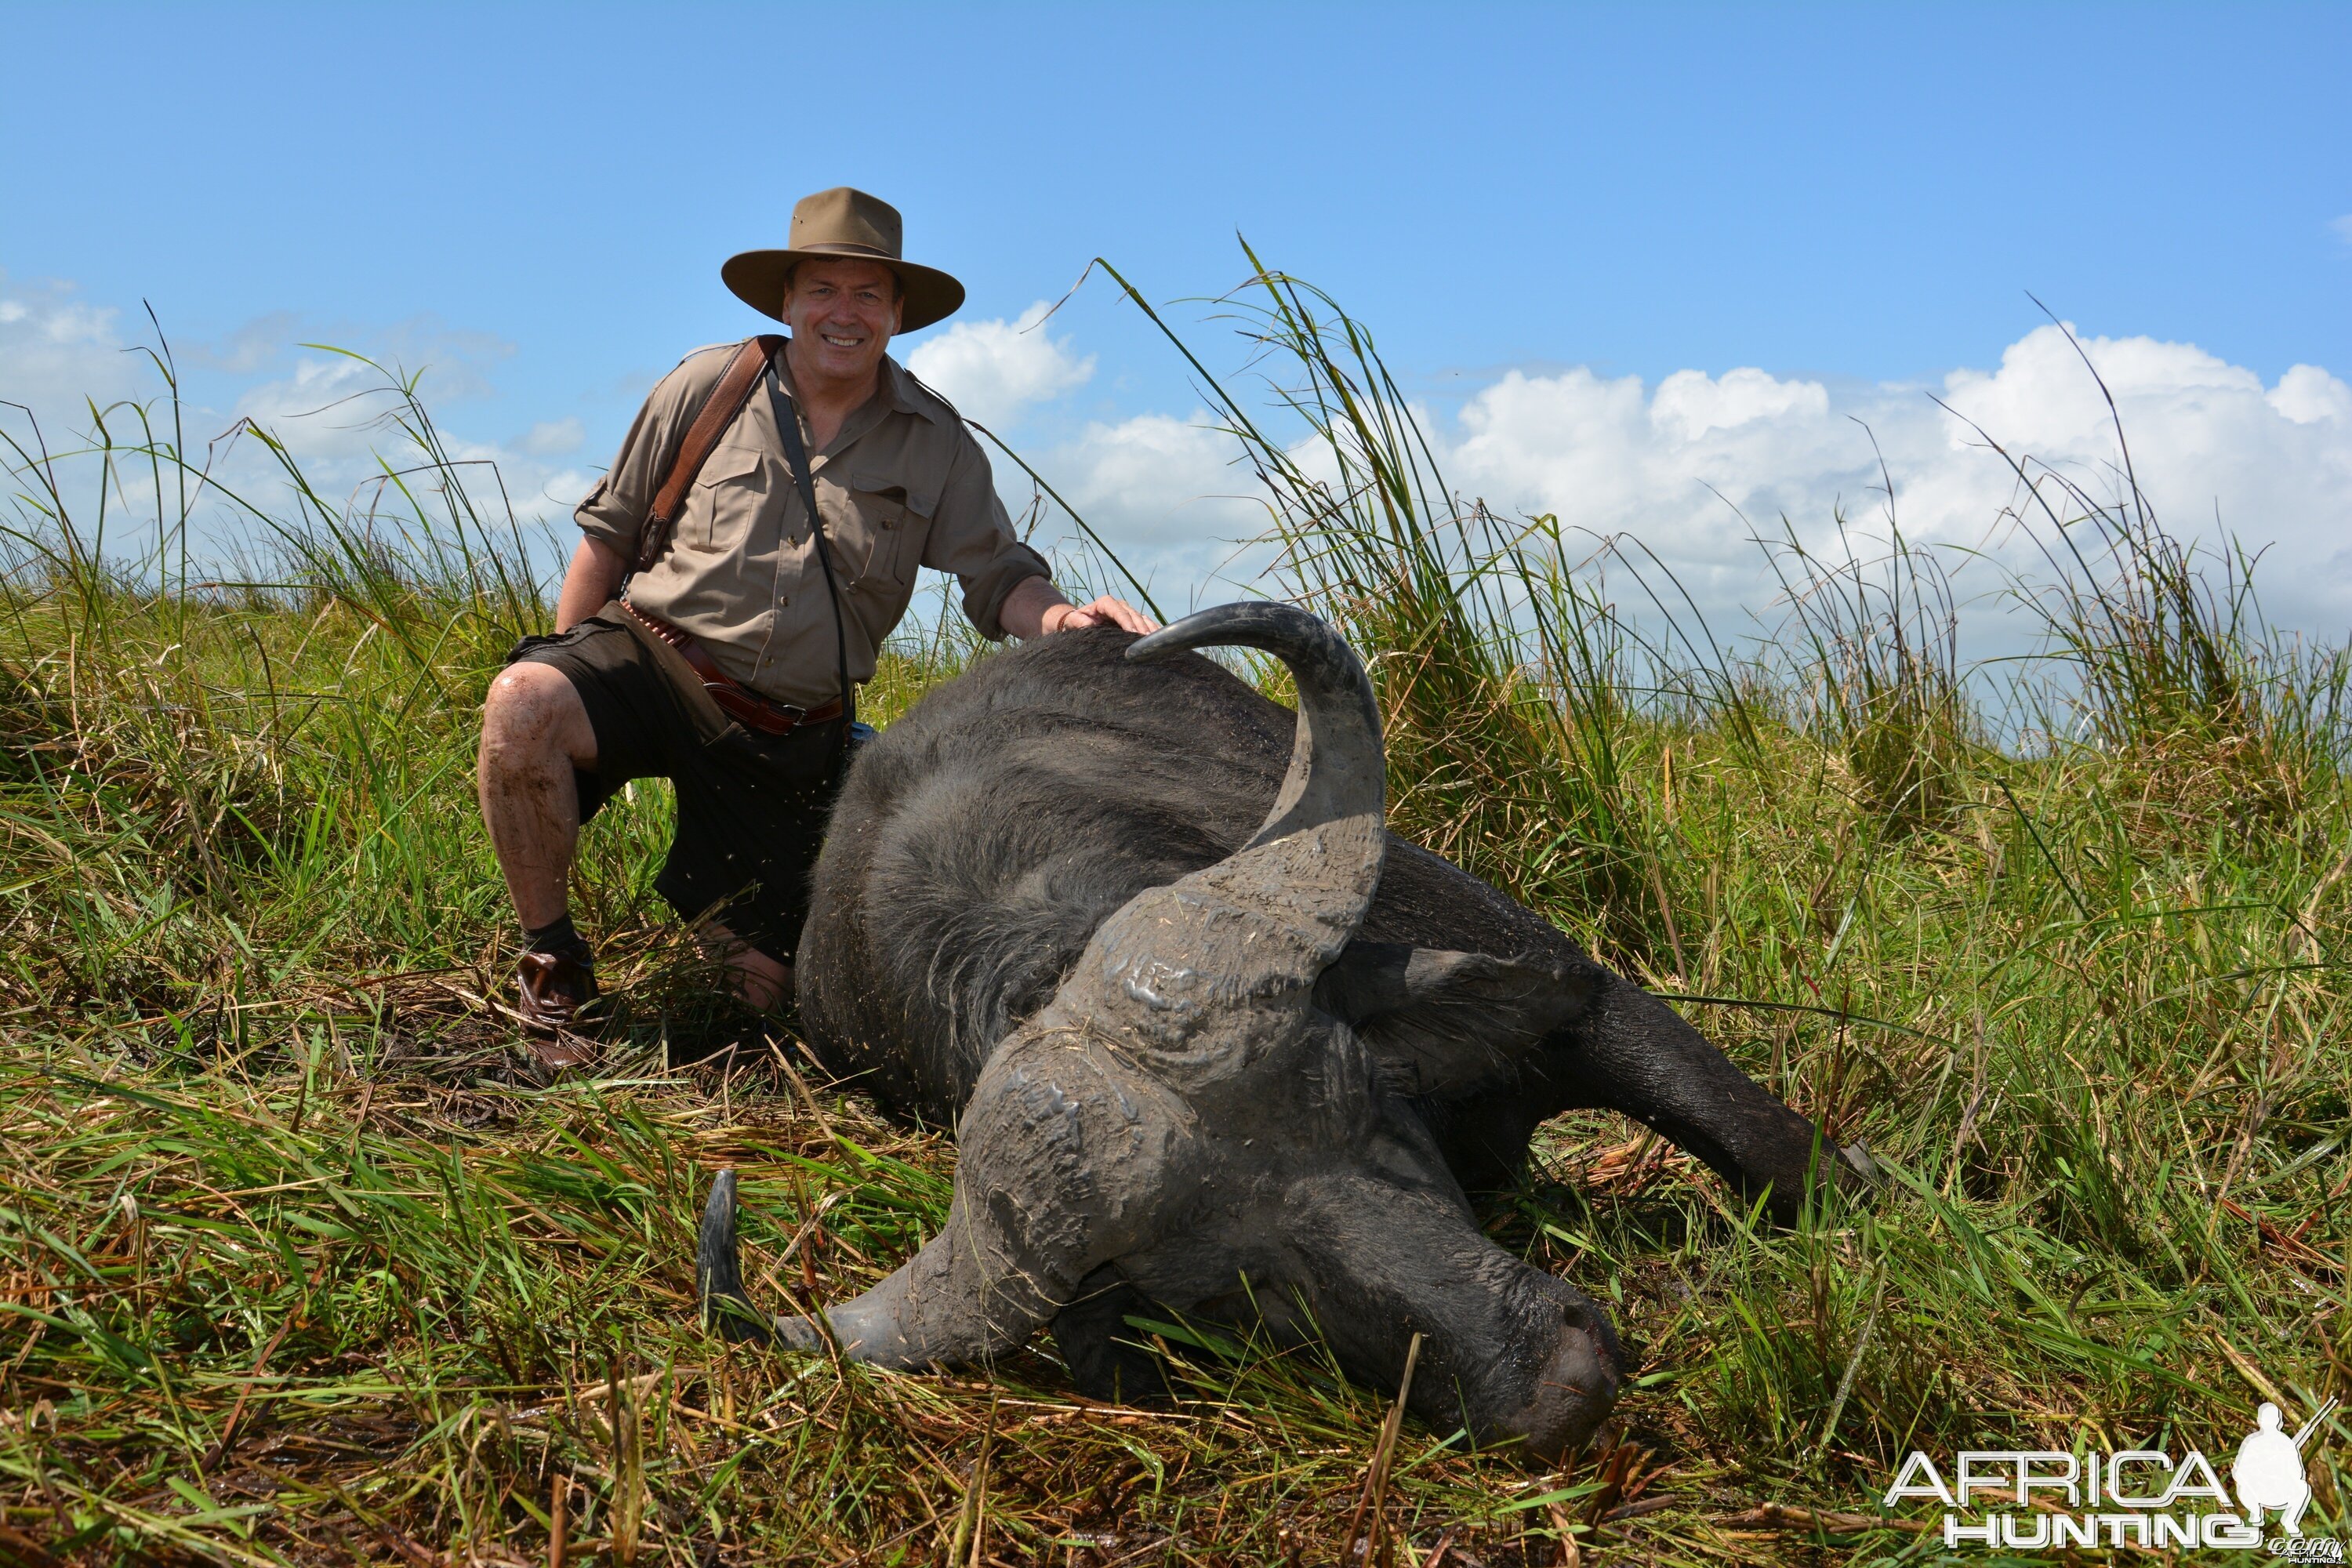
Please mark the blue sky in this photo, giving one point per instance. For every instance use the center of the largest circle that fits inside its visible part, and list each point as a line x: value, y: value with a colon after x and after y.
x: 1853, y: 199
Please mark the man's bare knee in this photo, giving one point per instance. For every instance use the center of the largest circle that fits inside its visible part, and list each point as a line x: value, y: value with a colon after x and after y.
x: 532, y: 716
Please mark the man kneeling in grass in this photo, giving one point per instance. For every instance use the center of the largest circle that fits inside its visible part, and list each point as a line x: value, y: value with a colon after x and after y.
x: 707, y: 635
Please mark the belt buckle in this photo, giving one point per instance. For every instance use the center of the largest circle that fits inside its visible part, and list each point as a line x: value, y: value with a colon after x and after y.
x: 797, y: 715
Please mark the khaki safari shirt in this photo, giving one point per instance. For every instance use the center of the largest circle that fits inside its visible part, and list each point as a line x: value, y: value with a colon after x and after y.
x: 903, y: 485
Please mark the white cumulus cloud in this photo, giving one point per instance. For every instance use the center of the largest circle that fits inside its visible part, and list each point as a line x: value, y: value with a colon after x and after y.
x: 1689, y: 404
x: 58, y: 351
x: 2206, y: 439
x: 993, y: 370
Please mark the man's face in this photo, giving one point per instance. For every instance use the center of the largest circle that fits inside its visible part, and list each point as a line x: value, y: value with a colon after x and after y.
x: 842, y: 314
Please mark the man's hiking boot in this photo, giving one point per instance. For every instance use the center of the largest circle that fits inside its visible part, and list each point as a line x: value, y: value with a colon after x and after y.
x: 552, y: 988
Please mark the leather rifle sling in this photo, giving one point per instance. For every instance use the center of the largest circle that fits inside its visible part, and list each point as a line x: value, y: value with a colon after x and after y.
x: 718, y: 409
x: 788, y: 424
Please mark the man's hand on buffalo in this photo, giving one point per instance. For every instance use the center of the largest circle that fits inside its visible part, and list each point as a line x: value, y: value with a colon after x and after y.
x: 1104, y: 611
x: 1036, y: 607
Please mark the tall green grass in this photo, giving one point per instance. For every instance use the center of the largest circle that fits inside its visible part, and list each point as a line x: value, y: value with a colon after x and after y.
x: 302, y: 1261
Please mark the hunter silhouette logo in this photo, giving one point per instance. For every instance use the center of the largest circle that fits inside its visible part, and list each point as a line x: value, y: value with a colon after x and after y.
x: 2053, y: 1499
x: 2268, y: 1470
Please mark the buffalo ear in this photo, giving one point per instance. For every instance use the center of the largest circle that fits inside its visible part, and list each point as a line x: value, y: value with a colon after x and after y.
x: 1443, y: 1023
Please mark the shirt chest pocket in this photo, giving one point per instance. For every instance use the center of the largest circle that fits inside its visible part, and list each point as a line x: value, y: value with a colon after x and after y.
x: 883, y: 525
x: 729, y: 494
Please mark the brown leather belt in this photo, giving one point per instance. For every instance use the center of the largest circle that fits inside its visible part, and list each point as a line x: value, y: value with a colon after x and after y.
x: 735, y: 699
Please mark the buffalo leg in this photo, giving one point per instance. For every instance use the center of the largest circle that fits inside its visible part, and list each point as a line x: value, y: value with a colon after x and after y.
x: 1635, y: 1054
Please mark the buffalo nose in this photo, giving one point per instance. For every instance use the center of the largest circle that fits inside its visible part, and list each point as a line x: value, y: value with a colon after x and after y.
x: 1575, y: 1390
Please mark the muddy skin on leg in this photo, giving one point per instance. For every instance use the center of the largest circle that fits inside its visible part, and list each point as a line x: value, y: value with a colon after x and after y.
x: 535, y: 732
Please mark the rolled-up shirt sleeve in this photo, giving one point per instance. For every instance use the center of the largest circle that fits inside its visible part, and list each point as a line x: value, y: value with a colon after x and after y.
x: 972, y: 537
x: 616, y: 507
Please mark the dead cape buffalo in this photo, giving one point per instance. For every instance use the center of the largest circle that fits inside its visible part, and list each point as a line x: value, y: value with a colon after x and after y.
x: 1215, y: 1041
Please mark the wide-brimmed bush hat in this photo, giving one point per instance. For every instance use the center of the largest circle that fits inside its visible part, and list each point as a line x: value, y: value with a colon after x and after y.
x: 837, y: 224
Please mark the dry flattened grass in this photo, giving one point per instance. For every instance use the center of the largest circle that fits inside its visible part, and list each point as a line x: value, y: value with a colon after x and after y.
x: 332, y: 1311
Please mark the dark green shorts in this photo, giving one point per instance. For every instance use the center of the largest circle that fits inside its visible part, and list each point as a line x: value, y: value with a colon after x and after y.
x: 752, y: 808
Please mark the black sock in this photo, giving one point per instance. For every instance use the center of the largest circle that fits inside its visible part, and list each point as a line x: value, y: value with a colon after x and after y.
x: 558, y: 937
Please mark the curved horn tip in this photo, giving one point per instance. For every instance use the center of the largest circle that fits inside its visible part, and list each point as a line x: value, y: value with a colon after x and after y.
x: 721, y: 1201
x: 716, y: 1270
x: 719, y: 1273
x: 1246, y: 623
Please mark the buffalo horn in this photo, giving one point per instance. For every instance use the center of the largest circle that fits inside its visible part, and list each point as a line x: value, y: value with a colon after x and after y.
x: 1337, y: 767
